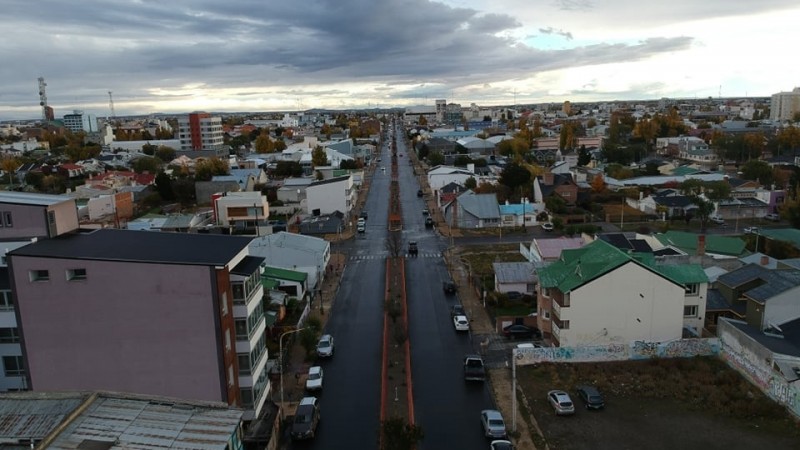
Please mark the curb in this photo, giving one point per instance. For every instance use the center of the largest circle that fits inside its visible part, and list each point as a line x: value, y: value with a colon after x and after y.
x: 409, y: 383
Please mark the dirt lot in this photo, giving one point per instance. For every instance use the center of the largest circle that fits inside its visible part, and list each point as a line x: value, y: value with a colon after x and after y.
x: 668, y: 404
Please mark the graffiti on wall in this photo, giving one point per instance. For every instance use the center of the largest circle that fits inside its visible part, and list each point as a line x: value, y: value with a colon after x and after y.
x: 685, y: 348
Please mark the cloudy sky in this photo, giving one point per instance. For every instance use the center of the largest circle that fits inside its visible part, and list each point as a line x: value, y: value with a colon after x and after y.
x: 254, y: 55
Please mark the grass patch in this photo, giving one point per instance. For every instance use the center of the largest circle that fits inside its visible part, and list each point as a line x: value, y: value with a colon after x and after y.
x: 513, y: 310
x: 480, y: 259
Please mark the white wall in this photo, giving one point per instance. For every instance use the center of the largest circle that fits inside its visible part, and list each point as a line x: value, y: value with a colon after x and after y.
x: 782, y: 308
x: 331, y: 197
x: 628, y: 304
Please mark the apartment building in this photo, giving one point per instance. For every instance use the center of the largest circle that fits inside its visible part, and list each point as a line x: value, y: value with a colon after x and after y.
x: 169, y: 314
x: 80, y: 121
x: 24, y: 218
x: 201, y: 135
x: 785, y: 105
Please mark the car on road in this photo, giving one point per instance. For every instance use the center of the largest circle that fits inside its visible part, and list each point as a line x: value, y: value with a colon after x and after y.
x: 717, y: 220
x: 425, y: 212
x: 412, y: 248
x: 591, y: 397
x: 420, y: 193
x: 314, y: 380
x: 361, y: 228
x: 325, y: 346
x: 501, y: 444
x: 775, y: 217
x: 751, y: 230
x: 461, y: 323
x: 493, y: 424
x: 561, y: 402
x: 429, y: 222
x: 520, y: 331
x: 365, y: 215
x: 449, y: 287
x: 306, y: 419
x: 547, y: 226
x: 474, y: 370
x: 457, y: 310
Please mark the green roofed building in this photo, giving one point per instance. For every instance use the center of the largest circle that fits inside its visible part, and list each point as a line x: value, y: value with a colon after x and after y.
x: 599, y: 294
x: 703, y: 244
x: 293, y: 282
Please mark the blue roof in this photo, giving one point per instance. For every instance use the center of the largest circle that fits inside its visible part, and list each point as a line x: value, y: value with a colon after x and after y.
x: 518, y: 209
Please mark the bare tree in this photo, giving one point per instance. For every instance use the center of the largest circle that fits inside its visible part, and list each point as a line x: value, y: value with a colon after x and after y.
x: 394, y: 243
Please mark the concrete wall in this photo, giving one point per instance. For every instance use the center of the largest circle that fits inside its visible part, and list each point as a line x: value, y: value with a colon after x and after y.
x: 637, y: 350
x: 131, y: 327
x: 31, y: 220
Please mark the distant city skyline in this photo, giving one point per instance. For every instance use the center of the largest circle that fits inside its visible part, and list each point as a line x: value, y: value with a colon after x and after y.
x: 181, y: 56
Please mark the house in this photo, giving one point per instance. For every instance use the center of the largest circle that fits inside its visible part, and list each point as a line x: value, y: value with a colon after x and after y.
x: 665, y: 203
x: 242, y: 212
x: 294, y: 282
x: 317, y: 225
x: 104, y: 420
x: 559, y: 184
x: 715, y: 246
x: 471, y: 210
x: 333, y: 194
x: 598, y: 294
x: 520, y: 214
x: 293, y: 190
x: 167, y: 314
x: 545, y: 251
x: 294, y: 251
x: 514, y: 277
x: 448, y: 193
x: 245, y: 179
x: 441, y: 176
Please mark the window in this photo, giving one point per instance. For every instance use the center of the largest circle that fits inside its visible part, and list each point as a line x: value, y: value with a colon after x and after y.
x: 224, y: 302
x: 39, y: 275
x: 247, y: 397
x: 227, y: 339
x: 564, y: 325
x: 76, y: 274
x: 7, y: 222
x: 692, y: 289
x: 690, y: 311
x: 230, y: 375
x: 6, y: 300
x: 244, y: 363
x: 12, y: 365
x: 9, y: 335
x: 241, y: 329
x: 546, y: 292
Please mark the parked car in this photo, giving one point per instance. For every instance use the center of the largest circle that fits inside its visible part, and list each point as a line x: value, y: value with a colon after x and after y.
x: 325, y: 346
x: 493, y: 424
x: 547, y: 226
x: 314, y: 380
x: 420, y: 193
x: 775, y: 217
x: 474, y: 369
x: 412, y: 248
x: 461, y: 323
x: 449, y: 287
x: 365, y: 215
x: 306, y: 419
x: 425, y: 212
x: 519, y: 331
x: 561, y: 402
x: 501, y: 444
x: 361, y: 228
x: 751, y: 230
x: 591, y: 397
x: 457, y: 310
x: 717, y: 219
x: 514, y: 295
x: 429, y: 221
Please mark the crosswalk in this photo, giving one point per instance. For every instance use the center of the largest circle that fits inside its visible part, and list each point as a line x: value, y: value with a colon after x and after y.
x: 386, y: 255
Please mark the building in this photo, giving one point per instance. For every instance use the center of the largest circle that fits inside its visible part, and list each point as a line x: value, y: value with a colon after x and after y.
x: 24, y: 218
x: 105, y: 420
x: 79, y: 121
x: 201, y: 135
x: 599, y: 294
x: 242, y: 212
x: 785, y: 105
x: 168, y: 314
x: 333, y: 194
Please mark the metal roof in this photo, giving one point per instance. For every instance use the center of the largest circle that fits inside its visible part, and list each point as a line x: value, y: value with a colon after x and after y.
x: 687, y: 242
x: 28, y: 415
x: 24, y: 198
x: 514, y: 272
x: 135, y: 246
x: 775, y: 344
x: 482, y: 206
x: 776, y: 282
x: 248, y: 266
x: 284, y: 274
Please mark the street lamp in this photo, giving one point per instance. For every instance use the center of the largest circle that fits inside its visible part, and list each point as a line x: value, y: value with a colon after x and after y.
x: 280, y: 351
x: 514, y: 389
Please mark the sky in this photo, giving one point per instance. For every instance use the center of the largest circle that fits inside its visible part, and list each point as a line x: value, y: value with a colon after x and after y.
x: 178, y: 56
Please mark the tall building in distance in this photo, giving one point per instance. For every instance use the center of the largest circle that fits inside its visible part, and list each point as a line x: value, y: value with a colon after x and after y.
x: 80, y: 121
x: 441, y: 109
x: 785, y: 105
x: 201, y: 135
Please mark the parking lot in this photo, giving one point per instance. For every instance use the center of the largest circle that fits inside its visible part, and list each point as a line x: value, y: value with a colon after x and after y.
x: 672, y: 404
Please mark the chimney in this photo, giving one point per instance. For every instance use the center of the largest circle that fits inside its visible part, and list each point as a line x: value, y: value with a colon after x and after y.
x: 701, y: 245
x: 764, y: 260
x: 548, y: 178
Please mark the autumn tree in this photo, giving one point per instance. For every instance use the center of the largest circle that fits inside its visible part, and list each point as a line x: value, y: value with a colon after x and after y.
x: 10, y: 164
x: 263, y: 143
x: 598, y: 183
x: 165, y: 153
x: 206, y: 169
x: 318, y: 157
x: 423, y: 121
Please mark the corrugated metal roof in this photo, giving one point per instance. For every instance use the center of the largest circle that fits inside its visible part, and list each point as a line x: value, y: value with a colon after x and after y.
x: 284, y: 274
x: 26, y: 418
x: 24, y: 198
x: 775, y: 283
x: 514, y: 272
x: 687, y: 242
x: 482, y: 206
x: 135, y: 423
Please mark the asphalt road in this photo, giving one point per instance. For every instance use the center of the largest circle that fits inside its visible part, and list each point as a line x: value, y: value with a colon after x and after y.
x: 446, y: 407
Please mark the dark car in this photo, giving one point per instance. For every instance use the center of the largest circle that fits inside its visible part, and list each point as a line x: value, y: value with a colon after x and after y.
x: 591, y: 397
x: 514, y: 295
x: 429, y: 221
x: 412, y: 248
x: 519, y: 331
x: 449, y: 287
x: 457, y: 310
x: 364, y: 215
x: 420, y: 193
x: 306, y: 419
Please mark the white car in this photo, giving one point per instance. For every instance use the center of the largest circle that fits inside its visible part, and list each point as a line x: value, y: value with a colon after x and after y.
x: 314, y: 380
x: 547, y: 226
x: 775, y: 217
x: 751, y: 230
x: 717, y: 219
x: 461, y: 323
x: 325, y: 346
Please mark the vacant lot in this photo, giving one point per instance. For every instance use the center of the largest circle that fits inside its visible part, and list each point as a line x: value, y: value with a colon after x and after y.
x: 694, y: 403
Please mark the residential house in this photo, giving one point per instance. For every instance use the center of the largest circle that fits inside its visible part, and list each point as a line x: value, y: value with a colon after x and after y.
x: 246, y: 179
x: 170, y: 314
x: 664, y: 203
x: 104, y: 420
x: 333, y: 194
x: 471, y: 210
x: 559, y: 184
x: 317, y: 225
x: 598, y: 294
x: 242, y: 212
x: 514, y: 277
x: 519, y: 214
x: 449, y: 193
x: 545, y: 251
x: 441, y: 176
x: 293, y: 190
x: 293, y: 282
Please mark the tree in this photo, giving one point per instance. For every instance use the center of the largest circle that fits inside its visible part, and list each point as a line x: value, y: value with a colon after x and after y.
x: 398, y: 434
x: 147, y: 164
x: 515, y: 176
x: 207, y: 169
x: 470, y: 183
x: 598, y: 183
x: 422, y: 120
x: 791, y: 208
x: 164, y: 186
x: 9, y: 166
x: 149, y: 149
x: 165, y: 153
x: 555, y: 204
x: 435, y: 159
x: 263, y: 143
x: 318, y: 157
x: 584, y: 157
x: 462, y: 160
x: 285, y: 169
x: 757, y: 170
x: 348, y: 164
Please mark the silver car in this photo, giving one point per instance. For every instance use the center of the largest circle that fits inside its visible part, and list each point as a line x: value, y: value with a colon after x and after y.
x: 561, y: 402
x: 493, y: 424
x: 325, y: 346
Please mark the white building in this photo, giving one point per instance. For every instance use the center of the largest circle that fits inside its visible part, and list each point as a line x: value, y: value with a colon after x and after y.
x: 441, y: 176
x: 785, y: 105
x: 80, y: 121
x: 241, y: 209
x: 328, y: 196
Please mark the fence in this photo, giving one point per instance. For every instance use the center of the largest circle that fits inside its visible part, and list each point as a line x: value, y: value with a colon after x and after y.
x: 638, y: 350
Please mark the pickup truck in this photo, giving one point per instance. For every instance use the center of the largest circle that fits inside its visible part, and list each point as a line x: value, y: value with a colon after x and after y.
x: 473, y: 368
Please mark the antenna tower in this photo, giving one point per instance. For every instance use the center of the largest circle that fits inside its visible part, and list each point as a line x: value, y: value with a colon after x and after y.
x: 111, y: 104
x: 43, y: 97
